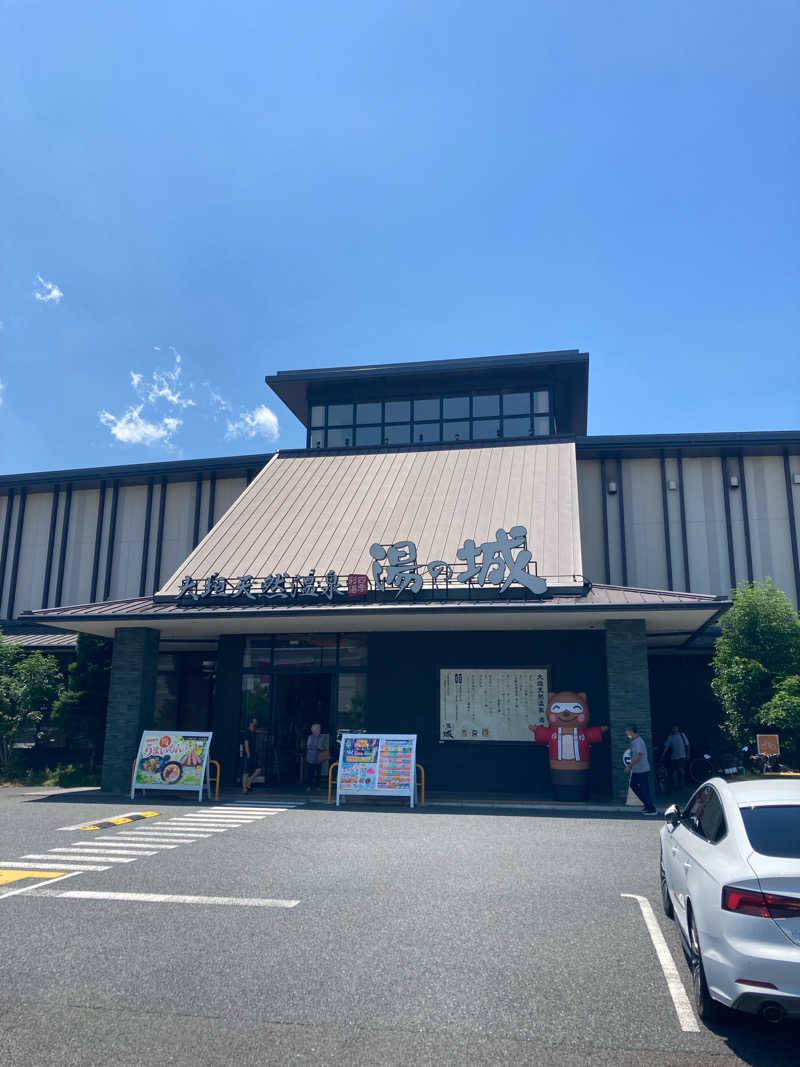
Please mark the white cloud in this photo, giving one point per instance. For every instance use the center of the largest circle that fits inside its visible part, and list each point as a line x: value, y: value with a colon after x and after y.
x: 161, y: 395
x: 47, y: 291
x: 260, y: 422
x: 2, y: 390
x: 162, y: 385
x: 132, y: 429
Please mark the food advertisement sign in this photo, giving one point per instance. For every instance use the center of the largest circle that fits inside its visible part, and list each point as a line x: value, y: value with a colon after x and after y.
x: 170, y: 760
x: 377, y: 765
x: 492, y: 705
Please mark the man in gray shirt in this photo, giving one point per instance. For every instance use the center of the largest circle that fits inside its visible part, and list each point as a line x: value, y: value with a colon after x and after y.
x: 676, y: 752
x: 639, y: 769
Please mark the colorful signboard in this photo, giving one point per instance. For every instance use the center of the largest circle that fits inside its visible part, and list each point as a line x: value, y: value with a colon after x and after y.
x: 768, y: 744
x: 174, y: 761
x: 377, y: 765
x: 492, y: 705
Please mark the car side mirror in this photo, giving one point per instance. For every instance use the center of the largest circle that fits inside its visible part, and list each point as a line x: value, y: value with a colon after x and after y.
x: 672, y: 815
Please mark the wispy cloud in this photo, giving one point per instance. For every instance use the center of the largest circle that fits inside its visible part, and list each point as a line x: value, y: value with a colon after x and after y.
x: 159, y: 397
x: 217, y: 401
x: 47, y: 291
x: 132, y: 429
x: 260, y: 422
x: 163, y: 385
x: 2, y: 390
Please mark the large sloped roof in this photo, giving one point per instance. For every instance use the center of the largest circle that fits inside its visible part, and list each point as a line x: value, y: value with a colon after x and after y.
x: 308, y: 510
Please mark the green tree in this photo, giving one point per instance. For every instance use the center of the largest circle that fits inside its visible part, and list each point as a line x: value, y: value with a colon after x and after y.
x: 781, y: 714
x: 756, y: 658
x: 28, y: 687
x: 80, y: 710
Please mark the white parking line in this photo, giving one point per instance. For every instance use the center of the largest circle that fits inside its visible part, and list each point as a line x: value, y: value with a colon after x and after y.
x: 169, y: 898
x: 37, y: 885
x: 683, y: 1009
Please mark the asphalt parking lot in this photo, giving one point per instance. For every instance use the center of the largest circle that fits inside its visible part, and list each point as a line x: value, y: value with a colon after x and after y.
x: 301, y: 935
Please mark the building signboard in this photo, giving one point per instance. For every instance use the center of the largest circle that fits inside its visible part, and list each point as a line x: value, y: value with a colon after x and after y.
x: 174, y: 761
x: 492, y: 705
x: 497, y: 564
x: 377, y: 765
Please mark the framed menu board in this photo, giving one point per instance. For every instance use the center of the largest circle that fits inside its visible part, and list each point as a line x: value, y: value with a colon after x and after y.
x: 170, y: 760
x: 377, y: 765
x: 492, y: 704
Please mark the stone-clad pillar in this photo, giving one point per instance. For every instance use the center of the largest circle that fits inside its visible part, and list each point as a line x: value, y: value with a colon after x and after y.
x: 628, y: 693
x: 131, y: 703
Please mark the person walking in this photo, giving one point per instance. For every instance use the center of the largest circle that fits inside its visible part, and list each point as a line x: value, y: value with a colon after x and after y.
x: 251, y: 767
x: 676, y: 752
x: 316, y: 753
x: 639, y: 769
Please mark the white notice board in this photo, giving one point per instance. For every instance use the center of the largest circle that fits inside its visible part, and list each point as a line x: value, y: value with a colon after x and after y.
x: 377, y: 765
x: 492, y: 704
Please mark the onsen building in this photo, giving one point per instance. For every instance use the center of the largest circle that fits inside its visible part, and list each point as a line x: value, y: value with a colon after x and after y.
x: 448, y: 549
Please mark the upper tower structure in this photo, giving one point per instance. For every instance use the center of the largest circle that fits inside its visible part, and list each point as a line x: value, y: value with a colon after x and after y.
x: 516, y: 397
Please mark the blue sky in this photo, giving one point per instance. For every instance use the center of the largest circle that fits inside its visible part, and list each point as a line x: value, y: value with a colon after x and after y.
x: 204, y: 193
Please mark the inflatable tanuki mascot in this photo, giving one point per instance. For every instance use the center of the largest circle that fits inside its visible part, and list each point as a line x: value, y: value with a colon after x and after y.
x: 568, y: 738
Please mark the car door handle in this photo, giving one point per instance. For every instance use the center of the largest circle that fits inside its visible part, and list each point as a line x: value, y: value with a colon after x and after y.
x: 674, y: 850
x: 686, y: 866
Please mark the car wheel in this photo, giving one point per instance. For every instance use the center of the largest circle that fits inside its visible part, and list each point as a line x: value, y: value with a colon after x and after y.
x: 704, y: 1004
x: 666, y: 900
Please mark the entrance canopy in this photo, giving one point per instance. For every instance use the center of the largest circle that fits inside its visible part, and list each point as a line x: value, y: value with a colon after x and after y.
x: 670, y: 618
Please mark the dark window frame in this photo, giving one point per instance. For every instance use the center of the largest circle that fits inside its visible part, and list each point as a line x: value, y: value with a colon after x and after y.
x: 697, y: 831
x: 411, y: 422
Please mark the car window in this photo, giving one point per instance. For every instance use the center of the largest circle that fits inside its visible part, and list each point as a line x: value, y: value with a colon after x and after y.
x: 704, y: 816
x: 774, y: 829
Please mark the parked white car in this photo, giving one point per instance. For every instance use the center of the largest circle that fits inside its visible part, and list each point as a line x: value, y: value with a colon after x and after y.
x: 730, y: 877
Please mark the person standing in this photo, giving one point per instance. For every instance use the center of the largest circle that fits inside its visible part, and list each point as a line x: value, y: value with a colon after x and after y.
x: 251, y: 767
x: 639, y: 769
x: 676, y: 753
x: 316, y: 745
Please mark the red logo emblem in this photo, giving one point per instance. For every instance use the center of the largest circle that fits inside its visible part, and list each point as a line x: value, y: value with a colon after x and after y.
x: 357, y: 585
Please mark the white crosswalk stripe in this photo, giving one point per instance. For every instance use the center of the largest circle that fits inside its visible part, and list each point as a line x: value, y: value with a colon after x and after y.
x: 70, y: 855
x: 131, y: 843
x: 18, y: 865
x: 228, y: 815
x: 166, y: 837
x: 114, y: 842
x: 115, y: 850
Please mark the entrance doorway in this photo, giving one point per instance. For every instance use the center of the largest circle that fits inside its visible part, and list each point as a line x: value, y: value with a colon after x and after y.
x: 300, y: 700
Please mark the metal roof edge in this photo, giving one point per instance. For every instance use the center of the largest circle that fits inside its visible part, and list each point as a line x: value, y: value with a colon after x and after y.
x: 458, y: 363
x: 134, y: 470
x: 390, y: 609
x: 616, y: 443
x: 430, y: 446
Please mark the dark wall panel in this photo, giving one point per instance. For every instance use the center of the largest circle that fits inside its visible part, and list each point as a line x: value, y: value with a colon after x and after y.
x: 403, y: 694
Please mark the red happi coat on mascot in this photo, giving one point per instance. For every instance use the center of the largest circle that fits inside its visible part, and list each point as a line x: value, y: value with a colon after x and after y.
x: 568, y: 738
